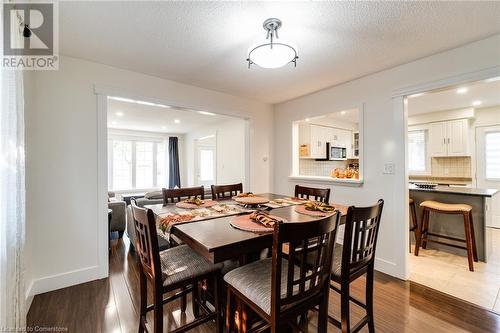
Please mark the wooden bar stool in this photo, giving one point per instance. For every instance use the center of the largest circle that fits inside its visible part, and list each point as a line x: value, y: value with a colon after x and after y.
x: 444, y: 208
x: 414, y: 223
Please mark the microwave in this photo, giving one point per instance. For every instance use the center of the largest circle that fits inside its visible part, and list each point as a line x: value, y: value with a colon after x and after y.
x: 337, y: 153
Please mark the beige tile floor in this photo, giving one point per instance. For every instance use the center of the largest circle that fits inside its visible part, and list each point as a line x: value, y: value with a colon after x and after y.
x: 449, y: 273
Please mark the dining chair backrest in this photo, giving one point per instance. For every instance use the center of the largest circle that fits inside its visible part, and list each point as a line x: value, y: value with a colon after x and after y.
x: 146, y: 241
x: 318, y: 194
x: 360, y: 239
x: 172, y: 195
x: 308, y: 242
x: 226, y: 191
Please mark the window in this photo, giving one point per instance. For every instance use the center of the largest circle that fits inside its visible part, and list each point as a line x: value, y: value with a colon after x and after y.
x: 122, y: 164
x: 206, y: 164
x: 492, y: 147
x: 144, y: 164
x: 136, y: 163
x: 417, y: 151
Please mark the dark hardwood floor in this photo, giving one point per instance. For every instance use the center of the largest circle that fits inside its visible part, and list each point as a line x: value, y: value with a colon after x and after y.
x: 110, y: 305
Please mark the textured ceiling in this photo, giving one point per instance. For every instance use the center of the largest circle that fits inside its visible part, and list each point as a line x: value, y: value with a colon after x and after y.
x: 206, y: 43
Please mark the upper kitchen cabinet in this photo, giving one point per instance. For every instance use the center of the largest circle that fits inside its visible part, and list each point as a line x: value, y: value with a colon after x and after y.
x: 312, y: 140
x: 449, y: 138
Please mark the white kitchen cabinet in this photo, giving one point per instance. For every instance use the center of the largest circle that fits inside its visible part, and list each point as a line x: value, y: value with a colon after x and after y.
x: 457, y: 141
x: 449, y: 138
x: 316, y: 137
x: 437, y: 139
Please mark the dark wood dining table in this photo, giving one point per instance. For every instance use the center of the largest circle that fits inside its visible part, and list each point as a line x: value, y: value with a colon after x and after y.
x: 215, y: 238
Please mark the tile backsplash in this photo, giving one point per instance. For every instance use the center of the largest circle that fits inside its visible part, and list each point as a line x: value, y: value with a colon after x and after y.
x: 451, y: 167
x: 310, y: 167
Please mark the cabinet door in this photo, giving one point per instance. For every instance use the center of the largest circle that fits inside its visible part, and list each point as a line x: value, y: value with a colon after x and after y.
x: 438, y: 139
x: 457, y: 139
x: 318, y: 144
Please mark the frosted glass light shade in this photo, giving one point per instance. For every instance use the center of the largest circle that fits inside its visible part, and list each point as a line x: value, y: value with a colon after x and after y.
x: 276, y: 56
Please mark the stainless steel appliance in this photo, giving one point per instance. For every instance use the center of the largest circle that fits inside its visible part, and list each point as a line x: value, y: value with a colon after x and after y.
x: 337, y: 153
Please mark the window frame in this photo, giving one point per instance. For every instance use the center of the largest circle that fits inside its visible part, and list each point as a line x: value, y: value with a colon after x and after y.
x: 156, y: 140
x: 427, y: 171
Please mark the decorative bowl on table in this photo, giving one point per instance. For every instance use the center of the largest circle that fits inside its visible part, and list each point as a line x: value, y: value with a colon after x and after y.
x: 193, y: 203
x: 251, y: 201
x: 428, y: 186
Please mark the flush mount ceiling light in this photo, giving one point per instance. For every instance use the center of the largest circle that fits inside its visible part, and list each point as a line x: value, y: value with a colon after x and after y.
x: 272, y: 54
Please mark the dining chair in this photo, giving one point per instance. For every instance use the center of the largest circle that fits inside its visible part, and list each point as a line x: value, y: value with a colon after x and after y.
x: 172, y: 195
x: 163, y: 243
x: 354, y: 259
x: 278, y: 290
x: 170, y: 270
x: 318, y: 194
x: 226, y: 191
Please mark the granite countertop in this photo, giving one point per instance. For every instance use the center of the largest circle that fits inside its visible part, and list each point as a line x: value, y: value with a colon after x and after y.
x: 481, y: 192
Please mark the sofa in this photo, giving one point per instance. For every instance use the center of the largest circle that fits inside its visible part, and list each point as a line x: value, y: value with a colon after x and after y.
x: 150, y: 198
x: 118, y: 215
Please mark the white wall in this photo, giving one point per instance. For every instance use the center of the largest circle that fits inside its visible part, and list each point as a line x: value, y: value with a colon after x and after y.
x: 61, y: 160
x: 230, y: 144
x: 384, y: 136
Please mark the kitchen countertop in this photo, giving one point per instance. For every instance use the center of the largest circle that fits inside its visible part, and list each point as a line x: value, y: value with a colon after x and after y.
x: 481, y: 192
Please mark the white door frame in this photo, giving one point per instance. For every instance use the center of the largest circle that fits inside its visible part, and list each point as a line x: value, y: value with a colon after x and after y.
x: 102, y: 92
x: 399, y: 107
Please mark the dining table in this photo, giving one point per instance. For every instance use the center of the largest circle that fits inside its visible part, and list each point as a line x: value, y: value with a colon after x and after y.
x: 213, y: 236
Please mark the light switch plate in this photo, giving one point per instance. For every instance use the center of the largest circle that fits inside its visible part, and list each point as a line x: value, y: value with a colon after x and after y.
x: 389, y: 168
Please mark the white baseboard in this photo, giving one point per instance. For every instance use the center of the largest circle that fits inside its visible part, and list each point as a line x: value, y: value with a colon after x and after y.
x: 63, y: 280
x: 390, y: 268
x: 29, y: 296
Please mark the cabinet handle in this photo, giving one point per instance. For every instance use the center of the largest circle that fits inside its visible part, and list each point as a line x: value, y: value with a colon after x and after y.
x: 444, y: 141
x: 448, y: 140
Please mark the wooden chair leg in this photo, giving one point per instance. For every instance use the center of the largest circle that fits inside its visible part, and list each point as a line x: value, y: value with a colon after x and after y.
x: 143, y: 301
x: 422, y: 234
x: 195, y: 300
x: 415, y: 227
x: 217, y: 304
x: 426, y: 218
x: 474, y: 248
x: 158, y: 310
x: 323, y: 312
x: 229, y: 311
x: 183, y: 301
x: 369, y: 299
x: 468, y: 241
x: 344, y: 308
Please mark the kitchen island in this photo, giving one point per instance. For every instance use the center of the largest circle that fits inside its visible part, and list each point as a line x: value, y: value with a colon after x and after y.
x: 453, y: 225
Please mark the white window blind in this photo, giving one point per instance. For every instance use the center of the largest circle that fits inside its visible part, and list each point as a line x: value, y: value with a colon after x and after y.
x: 492, y: 147
x: 417, y: 159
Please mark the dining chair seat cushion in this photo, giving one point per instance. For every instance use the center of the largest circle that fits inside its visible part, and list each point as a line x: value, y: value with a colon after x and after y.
x: 181, y: 263
x: 254, y: 281
x: 445, y: 207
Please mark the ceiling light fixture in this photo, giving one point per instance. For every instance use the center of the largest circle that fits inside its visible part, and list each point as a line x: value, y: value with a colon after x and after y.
x: 119, y: 114
x: 113, y: 123
x: 343, y: 112
x: 272, y: 54
x: 461, y: 90
x: 177, y: 121
x: 164, y: 127
x: 206, y: 113
x: 476, y: 103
